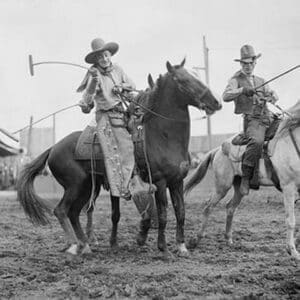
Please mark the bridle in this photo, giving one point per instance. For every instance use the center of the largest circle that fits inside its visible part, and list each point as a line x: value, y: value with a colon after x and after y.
x: 180, y: 87
x: 184, y: 90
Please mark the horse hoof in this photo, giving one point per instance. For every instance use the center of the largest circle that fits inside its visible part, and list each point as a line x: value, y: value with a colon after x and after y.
x: 296, y: 256
x: 73, y: 249
x: 229, y: 242
x: 193, y: 243
x: 113, y: 243
x: 93, y: 240
x: 293, y: 253
x: 184, y: 254
x: 141, y: 239
x: 168, y: 256
x: 86, y: 249
x: 182, y: 251
x: 201, y: 236
x: 114, y: 247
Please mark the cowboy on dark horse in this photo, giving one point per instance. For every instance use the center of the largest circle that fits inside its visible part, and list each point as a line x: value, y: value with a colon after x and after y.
x: 250, y: 102
x: 102, y: 86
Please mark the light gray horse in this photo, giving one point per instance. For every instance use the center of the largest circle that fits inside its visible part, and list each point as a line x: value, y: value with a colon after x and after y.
x: 226, y: 165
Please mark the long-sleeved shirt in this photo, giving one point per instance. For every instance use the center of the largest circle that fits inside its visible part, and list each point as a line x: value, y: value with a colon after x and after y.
x: 232, y: 90
x: 102, y: 93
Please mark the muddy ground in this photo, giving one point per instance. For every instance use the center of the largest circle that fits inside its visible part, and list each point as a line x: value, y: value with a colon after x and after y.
x: 256, y: 267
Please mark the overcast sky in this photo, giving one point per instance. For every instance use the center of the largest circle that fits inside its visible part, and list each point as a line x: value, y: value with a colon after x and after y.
x: 149, y: 33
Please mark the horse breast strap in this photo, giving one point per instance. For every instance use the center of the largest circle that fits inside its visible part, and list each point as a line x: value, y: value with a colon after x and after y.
x: 140, y: 155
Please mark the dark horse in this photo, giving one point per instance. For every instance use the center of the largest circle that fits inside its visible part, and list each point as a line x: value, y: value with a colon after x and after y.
x: 167, y: 132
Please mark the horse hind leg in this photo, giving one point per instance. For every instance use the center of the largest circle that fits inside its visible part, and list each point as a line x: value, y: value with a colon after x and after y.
x: 231, y: 207
x: 61, y: 212
x: 74, y: 214
x: 215, y: 198
x: 83, y: 246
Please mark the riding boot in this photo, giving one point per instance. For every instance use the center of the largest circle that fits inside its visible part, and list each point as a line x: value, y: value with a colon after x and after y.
x: 247, y: 175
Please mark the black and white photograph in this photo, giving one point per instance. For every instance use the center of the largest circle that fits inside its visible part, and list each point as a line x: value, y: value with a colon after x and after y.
x: 150, y: 149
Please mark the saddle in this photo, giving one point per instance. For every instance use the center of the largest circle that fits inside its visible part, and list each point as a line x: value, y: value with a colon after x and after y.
x: 241, y: 140
x: 88, y: 146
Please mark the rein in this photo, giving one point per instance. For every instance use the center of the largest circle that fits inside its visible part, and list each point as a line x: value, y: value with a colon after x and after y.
x: 150, y: 110
x: 182, y: 88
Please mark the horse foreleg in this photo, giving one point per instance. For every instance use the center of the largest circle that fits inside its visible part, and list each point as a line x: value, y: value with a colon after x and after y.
x: 89, y: 213
x: 90, y: 227
x: 145, y: 225
x: 115, y: 217
x: 289, y: 196
x: 176, y: 193
x: 231, y: 207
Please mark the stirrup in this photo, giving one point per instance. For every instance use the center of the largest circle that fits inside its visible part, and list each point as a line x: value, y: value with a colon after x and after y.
x: 126, y: 195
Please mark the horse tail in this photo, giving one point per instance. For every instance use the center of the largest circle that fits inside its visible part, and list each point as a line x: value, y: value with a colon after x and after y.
x: 32, y: 204
x: 200, y: 172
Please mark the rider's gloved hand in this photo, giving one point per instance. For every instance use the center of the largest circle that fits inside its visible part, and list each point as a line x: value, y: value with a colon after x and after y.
x: 249, y: 92
x: 117, y: 89
x: 85, y: 108
x: 95, y: 73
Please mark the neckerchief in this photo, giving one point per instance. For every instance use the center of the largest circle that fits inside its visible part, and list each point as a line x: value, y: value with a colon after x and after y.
x: 104, y: 72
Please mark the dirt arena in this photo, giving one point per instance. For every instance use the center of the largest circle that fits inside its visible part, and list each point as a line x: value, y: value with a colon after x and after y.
x: 256, y: 267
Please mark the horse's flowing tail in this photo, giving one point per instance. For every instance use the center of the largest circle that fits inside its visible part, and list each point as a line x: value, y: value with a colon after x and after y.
x: 200, y: 172
x: 33, y: 205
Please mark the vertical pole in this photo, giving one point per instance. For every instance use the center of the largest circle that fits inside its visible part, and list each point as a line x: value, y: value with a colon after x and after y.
x: 29, y: 138
x: 54, y: 191
x: 206, y: 68
x: 53, y: 128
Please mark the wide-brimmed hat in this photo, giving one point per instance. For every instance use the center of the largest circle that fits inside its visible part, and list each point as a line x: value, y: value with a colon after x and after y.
x: 248, y: 54
x: 98, y: 45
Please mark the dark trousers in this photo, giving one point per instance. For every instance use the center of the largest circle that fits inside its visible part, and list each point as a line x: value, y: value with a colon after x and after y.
x: 255, y: 129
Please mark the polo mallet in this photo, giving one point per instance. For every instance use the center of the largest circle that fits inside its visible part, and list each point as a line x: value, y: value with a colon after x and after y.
x: 31, y: 64
x: 274, y: 78
x: 8, y: 134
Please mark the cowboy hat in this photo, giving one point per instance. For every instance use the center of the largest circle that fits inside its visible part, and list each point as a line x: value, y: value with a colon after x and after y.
x: 98, y: 45
x: 248, y: 54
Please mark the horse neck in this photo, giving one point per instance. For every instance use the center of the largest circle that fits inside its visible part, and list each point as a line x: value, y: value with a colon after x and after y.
x: 177, y: 127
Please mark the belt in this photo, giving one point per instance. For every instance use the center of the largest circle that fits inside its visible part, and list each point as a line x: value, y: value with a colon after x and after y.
x: 117, y: 108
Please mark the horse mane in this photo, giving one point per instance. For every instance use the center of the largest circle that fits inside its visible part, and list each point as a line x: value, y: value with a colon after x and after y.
x: 289, y: 122
x: 150, y: 98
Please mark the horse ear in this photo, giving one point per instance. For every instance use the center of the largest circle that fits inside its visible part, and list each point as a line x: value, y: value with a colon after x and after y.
x: 169, y: 67
x: 150, y: 81
x: 183, y: 62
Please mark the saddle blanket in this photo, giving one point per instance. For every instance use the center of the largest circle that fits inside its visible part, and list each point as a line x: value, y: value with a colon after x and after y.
x: 83, y: 150
x: 264, y: 170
